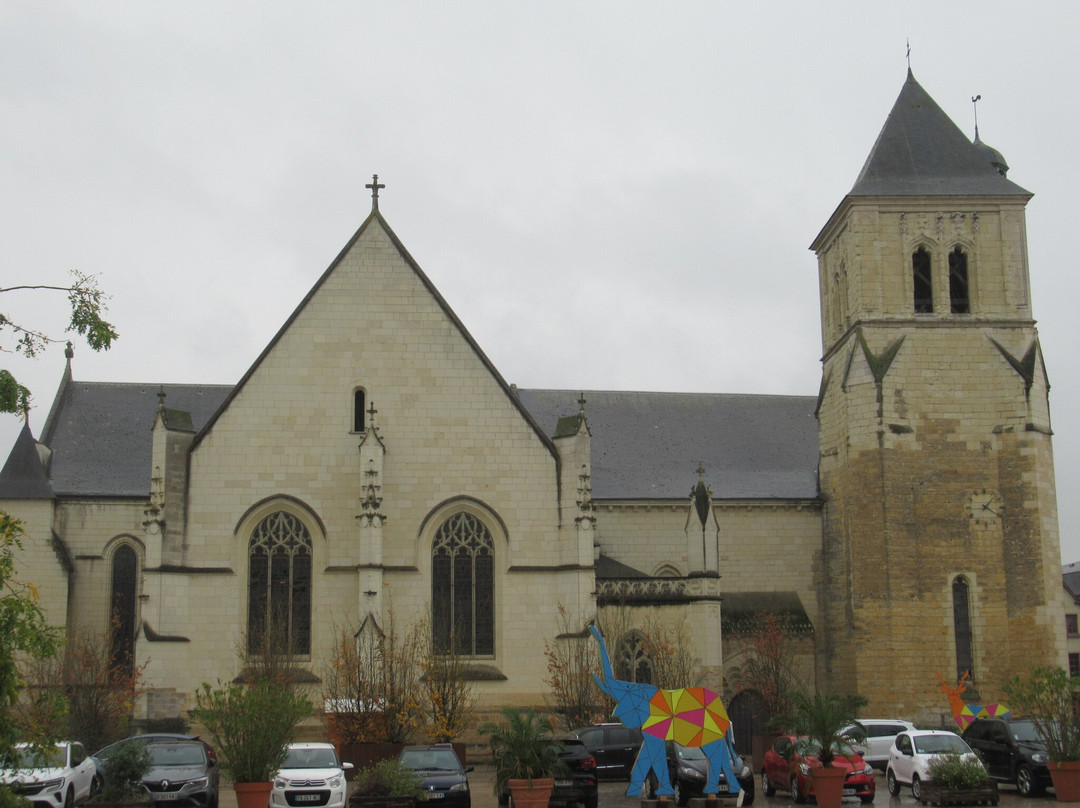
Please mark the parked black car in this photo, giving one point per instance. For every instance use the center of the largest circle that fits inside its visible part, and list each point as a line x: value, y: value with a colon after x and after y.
x: 576, y: 786
x: 688, y: 769
x: 1012, y: 752
x: 182, y: 774
x: 614, y: 746
x: 441, y: 774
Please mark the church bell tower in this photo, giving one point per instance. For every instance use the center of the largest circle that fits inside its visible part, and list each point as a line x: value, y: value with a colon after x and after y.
x: 940, y: 536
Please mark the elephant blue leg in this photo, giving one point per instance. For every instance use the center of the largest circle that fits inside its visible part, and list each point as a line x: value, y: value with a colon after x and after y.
x: 652, y: 755
x: 719, y: 755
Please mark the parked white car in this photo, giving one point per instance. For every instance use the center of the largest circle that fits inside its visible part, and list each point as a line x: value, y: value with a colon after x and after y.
x: 311, y: 775
x: 880, y: 733
x: 909, y: 759
x: 58, y: 776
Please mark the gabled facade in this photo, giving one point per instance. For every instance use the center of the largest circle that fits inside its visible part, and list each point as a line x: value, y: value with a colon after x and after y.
x: 373, y: 461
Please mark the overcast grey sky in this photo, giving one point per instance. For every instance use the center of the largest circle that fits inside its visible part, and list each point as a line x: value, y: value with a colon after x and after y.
x: 611, y: 195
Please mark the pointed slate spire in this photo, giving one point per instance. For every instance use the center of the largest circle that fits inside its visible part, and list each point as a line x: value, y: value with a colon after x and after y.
x: 23, y: 476
x: 920, y: 152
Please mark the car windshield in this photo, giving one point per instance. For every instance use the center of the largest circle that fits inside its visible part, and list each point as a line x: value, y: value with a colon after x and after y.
x: 51, y: 757
x: 318, y: 757
x: 1024, y: 731
x: 431, y: 760
x: 689, y: 752
x: 939, y: 745
x: 176, y: 754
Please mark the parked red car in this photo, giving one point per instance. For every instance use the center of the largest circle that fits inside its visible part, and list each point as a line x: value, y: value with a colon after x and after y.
x: 787, y: 767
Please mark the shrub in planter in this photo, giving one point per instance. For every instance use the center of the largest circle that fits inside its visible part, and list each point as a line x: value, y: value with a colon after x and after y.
x: 388, y: 778
x: 956, y: 771
x: 125, y: 768
x: 252, y: 726
x: 1048, y: 696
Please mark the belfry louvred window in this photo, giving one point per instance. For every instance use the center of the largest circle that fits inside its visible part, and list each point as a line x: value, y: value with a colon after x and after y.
x: 921, y: 275
x: 463, y: 587
x: 959, y: 301
x: 279, y: 586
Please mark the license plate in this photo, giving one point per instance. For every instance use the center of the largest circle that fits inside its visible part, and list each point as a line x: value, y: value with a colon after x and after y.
x: 306, y: 798
x: 848, y: 792
x: 165, y: 796
x: 436, y: 795
x: 563, y: 783
x: 722, y: 788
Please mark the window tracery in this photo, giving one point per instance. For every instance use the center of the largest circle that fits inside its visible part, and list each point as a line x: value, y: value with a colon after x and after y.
x: 463, y: 587
x: 279, y: 584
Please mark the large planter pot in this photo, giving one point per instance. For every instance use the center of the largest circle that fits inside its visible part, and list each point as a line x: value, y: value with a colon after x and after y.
x: 828, y: 786
x: 253, y: 795
x: 531, y: 793
x: 1065, y: 775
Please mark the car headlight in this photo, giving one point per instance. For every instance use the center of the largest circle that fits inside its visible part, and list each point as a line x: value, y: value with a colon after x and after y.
x: 459, y: 787
x: 52, y: 785
x: 281, y: 782
x: 690, y: 774
x: 868, y: 769
x: 745, y: 772
x: 334, y: 782
x: 1040, y: 757
x: 200, y: 782
x: 804, y: 768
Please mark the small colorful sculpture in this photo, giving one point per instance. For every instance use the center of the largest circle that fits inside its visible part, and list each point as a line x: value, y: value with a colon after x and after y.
x: 965, y: 713
x: 690, y: 716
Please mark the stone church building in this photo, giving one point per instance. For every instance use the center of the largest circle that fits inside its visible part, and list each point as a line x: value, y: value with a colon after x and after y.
x: 373, y: 460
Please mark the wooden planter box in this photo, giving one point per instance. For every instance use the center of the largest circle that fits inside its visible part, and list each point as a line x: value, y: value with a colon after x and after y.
x: 935, y: 794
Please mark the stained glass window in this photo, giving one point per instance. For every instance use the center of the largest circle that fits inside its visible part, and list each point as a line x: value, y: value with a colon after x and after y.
x: 122, y: 609
x: 463, y: 587
x: 279, y: 585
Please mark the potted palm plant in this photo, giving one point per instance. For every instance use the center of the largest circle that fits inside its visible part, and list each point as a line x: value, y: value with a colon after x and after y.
x: 1048, y: 696
x: 526, y: 757
x: 829, y: 726
x: 252, y: 727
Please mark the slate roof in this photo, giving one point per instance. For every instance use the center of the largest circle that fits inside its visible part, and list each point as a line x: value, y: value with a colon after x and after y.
x: 920, y: 151
x: 23, y: 476
x: 100, y: 433
x: 648, y: 445
x: 644, y: 445
x: 1070, y: 577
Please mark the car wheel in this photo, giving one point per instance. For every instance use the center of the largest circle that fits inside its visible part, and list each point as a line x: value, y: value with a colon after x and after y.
x: 213, y: 803
x: 69, y: 798
x: 796, y: 793
x: 748, y: 799
x: 504, y: 799
x: 766, y: 786
x: 1025, y: 781
x: 890, y: 781
x: 95, y: 786
x: 679, y: 796
x: 591, y: 800
x: 650, y: 787
x: 916, y: 787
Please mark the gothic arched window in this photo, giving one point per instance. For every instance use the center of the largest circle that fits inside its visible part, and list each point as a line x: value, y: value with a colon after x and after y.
x: 632, y: 660
x: 122, y: 608
x: 965, y: 658
x: 279, y: 585
x: 359, y: 410
x: 924, y: 289
x: 959, y: 301
x: 463, y: 587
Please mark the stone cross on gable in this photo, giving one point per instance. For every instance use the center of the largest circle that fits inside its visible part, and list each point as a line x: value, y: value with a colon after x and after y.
x: 375, y: 185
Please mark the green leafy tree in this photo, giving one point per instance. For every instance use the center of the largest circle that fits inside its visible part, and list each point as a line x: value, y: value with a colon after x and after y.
x: 87, y: 302
x: 24, y: 632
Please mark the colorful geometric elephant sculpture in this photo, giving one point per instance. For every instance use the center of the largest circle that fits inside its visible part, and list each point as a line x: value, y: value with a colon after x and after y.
x: 691, y: 716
